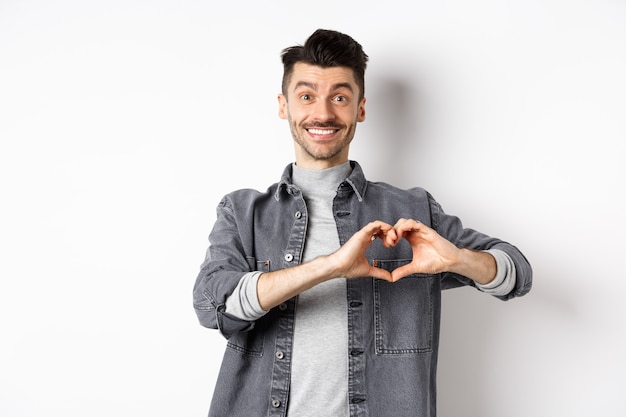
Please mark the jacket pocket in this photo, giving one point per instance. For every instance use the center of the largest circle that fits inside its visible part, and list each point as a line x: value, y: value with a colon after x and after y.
x: 251, y: 342
x: 404, y: 312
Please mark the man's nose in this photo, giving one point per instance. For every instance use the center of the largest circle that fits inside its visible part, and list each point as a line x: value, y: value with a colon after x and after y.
x: 323, y: 111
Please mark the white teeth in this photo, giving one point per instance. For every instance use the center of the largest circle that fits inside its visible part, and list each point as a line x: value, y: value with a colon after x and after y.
x: 321, y: 131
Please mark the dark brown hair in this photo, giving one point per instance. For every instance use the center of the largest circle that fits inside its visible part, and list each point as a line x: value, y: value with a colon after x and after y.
x: 327, y: 48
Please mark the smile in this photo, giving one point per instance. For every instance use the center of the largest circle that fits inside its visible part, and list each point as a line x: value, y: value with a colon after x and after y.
x: 322, y: 131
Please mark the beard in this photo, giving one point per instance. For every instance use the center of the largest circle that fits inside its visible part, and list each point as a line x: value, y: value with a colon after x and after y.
x: 322, y: 150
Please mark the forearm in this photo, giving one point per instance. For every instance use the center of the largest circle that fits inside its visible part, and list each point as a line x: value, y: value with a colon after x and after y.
x: 279, y: 286
x: 478, y: 266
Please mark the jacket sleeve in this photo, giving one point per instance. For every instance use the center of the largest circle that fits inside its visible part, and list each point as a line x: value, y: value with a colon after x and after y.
x: 451, y: 228
x: 224, y: 266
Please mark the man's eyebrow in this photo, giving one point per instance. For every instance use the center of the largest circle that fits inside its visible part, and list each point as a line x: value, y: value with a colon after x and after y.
x: 313, y: 86
x: 339, y: 86
x: 305, y: 84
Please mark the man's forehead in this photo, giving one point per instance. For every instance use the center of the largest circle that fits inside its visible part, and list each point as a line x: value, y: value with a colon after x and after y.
x: 316, y: 76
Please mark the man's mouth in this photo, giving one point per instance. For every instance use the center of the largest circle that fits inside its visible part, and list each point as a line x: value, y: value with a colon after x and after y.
x: 321, y: 132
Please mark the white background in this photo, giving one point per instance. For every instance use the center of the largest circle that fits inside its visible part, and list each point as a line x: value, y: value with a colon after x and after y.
x: 123, y: 122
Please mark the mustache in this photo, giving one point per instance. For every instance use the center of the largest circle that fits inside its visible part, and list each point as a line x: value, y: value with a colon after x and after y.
x: 324, y: 125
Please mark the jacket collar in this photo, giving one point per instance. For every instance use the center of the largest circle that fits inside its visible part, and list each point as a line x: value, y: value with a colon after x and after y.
x: 356, y: 180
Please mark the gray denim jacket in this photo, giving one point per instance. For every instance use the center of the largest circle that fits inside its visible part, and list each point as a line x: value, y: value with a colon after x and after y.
x: 393, y: 327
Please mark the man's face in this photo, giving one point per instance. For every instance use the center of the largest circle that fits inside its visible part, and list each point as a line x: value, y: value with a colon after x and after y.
x: 322, y: 106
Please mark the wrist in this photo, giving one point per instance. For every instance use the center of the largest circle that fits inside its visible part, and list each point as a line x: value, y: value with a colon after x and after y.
x: 325, y: 268
x: 478, y: 266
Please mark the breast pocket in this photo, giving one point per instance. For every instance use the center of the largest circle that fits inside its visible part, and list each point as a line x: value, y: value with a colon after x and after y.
x: 251, y: 342
x: 404, y: 312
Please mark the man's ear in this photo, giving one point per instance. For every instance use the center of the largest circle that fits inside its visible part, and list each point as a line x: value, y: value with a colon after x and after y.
x: 282, y: 107
x: 361, y: 111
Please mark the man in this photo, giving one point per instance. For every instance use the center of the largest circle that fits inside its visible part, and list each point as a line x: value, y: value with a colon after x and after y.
x: 328, y: 286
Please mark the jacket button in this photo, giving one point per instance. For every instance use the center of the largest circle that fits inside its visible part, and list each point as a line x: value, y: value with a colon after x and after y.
x: 282, y: 307
x: 275, y: 403
x: 280, y: 355
x: 289, y: 257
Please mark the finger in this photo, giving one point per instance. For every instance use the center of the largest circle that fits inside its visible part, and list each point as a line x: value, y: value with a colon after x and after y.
x: 381, y: 274
x: 404, y: 226
x: 377, y: 229
x: 401, y: 272
x: 387, y: 234
x: 389, y: 237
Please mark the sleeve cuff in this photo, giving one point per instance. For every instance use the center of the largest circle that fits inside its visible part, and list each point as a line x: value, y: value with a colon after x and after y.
x: 243, y: 303
x: 504, y: 282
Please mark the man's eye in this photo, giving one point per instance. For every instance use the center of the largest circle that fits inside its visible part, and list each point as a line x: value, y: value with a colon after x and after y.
x: 305, y: 97
x: 340, y: 98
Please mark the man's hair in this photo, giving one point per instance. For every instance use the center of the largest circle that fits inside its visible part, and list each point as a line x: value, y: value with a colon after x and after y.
x: 327, y: 48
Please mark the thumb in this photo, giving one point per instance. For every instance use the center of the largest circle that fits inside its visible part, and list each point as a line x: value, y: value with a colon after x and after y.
x: 401, y: 272
x: 380, y: 273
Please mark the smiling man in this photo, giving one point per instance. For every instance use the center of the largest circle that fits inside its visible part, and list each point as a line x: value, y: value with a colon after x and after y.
x: 323, y: 111
x: 328, y: 286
